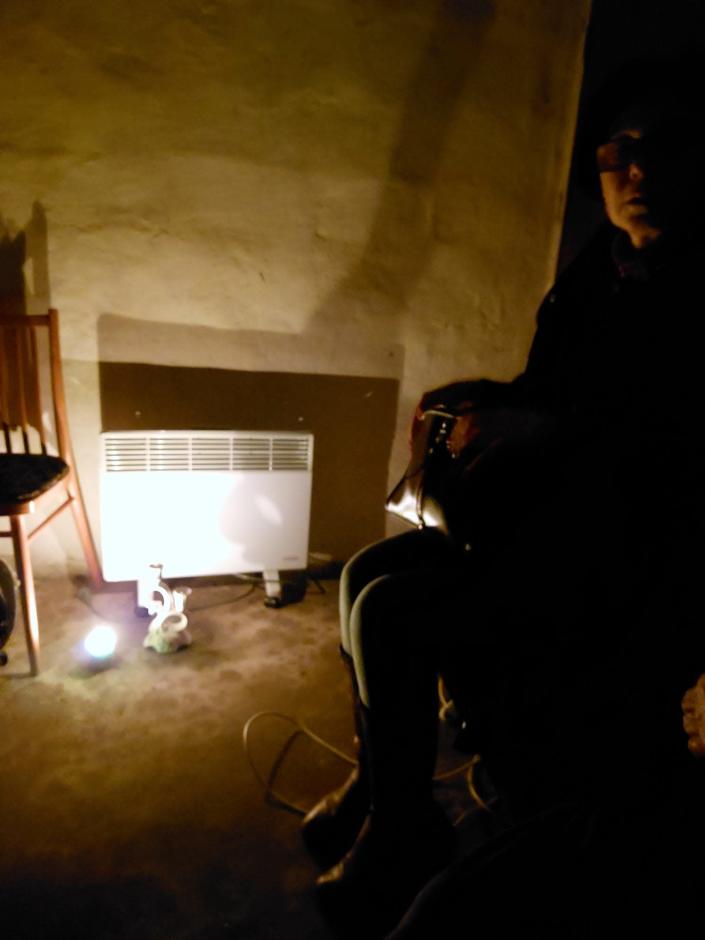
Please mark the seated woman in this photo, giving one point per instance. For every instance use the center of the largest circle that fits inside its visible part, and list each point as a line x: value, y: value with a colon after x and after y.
x: 548, y: 630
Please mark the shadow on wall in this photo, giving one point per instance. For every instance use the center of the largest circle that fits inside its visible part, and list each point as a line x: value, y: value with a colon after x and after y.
x: 201, y: 378
x: 375, y: 292
x: 176, y: 376
x: 24, y: 290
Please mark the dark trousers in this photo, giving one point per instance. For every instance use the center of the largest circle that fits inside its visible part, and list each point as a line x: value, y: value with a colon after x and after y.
x: 396, y: 599
x: 545, y: 643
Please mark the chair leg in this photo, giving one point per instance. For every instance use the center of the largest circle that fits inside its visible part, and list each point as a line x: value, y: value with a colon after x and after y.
x: 29, y: 601
x: 80, y: 517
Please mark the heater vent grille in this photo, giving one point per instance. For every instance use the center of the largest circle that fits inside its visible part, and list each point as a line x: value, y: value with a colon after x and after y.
x: 225, y: 451
x: 251, y: 453
x: 125, y: 453
x: 210, y: 453
x: 168, y: 453
x: 290, y: 453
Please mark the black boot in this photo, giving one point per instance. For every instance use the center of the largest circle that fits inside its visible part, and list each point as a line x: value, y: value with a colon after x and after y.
x: 407, y: 838
x: 330, y: 829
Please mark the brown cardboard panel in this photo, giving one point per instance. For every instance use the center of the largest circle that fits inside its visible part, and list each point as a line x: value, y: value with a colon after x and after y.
x: 352, y: 419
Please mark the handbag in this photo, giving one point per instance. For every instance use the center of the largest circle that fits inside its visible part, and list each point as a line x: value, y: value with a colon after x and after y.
x: 476, y: 497
x: 418, y: 496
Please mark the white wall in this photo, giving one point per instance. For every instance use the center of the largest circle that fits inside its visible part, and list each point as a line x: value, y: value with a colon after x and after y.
x: 340, y: 178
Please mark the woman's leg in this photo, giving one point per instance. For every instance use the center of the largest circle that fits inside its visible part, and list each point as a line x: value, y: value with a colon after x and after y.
x: 396, y: 625
x: 331, y: 827
x: 417, y: 548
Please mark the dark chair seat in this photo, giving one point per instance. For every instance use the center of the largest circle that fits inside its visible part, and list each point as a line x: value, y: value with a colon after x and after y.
x: 27, y: 344
x: 26, y: 476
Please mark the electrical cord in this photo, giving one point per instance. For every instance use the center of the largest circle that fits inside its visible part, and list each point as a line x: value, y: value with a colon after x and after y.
x: 447, y: 704
x: 271, y: 795
x: 446, y: 710
x: 229, y: 600
x: 300, y: 728
x: 85, y: 594
x: 260, y: 582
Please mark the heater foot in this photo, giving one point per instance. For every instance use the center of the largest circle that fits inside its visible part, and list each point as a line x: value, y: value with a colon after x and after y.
x: 280, y: 593
x: 272, y: 588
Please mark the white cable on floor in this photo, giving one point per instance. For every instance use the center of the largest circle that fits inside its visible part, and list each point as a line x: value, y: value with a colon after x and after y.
x: 467, y: 768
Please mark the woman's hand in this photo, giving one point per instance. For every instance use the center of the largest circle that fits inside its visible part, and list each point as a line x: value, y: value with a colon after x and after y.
x: 449, y: 396
x: 693, y: 706
x: 484, y: 417
x: 485, y: 427
x: 466, y: 429
x: 463, y: 428
x: 455, y: 396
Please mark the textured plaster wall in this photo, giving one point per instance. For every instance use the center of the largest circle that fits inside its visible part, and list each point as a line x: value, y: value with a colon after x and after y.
x: 343, y: 187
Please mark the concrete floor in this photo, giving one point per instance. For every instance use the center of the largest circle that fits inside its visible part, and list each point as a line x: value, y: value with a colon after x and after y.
x: 129, y: 806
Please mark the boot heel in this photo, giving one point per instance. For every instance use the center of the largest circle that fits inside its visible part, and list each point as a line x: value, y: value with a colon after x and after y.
x: 330, y: 829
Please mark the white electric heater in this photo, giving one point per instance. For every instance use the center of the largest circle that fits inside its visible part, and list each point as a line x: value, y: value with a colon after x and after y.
x: 205, y: 502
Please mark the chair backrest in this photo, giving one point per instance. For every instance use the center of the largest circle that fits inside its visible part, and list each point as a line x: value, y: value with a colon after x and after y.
x: 21, y: 409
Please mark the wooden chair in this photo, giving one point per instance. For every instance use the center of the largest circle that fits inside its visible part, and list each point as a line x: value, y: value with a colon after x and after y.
x: 28, y: 472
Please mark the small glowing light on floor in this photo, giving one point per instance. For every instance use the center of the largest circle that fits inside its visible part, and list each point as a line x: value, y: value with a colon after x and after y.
x: 100, y: 643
